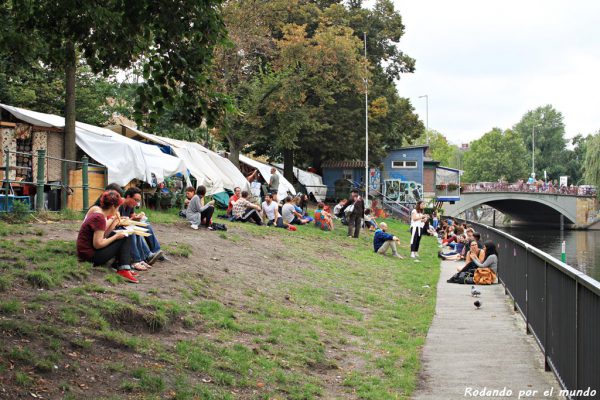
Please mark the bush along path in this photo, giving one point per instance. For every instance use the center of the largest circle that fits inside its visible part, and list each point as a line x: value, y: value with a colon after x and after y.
x: 253, y: 312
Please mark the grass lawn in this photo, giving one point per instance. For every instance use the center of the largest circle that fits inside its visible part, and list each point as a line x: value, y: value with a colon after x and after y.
x: 301, y: 315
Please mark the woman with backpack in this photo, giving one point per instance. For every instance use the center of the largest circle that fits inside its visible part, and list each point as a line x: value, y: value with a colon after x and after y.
x: 487, y: 271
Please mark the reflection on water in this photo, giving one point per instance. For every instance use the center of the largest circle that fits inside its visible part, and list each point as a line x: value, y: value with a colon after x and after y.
x: 582, y: 246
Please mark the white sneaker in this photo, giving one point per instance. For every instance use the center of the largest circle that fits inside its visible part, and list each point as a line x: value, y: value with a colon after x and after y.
x: 412, y: 255
x: 194, y: 227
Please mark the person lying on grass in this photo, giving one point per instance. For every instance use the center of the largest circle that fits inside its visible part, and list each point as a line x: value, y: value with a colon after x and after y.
x: 382, y: 241
x: 198, y: 213
x: 244, y: 211
x: 145, y: 249
x: 323, y: 219
x: 98, y: 241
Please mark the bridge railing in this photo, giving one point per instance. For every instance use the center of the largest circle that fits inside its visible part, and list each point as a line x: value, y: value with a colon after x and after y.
x: 583, y: 190
x: 560, y: 305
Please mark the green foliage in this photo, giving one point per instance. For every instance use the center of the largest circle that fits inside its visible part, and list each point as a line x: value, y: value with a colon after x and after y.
x: 172, y: 52
x: 296, y: 73
x: 19, y: 213
x: 9, y: 306
x: 591, y: 162
x: 440, y: 150
x: 496, y: 155
x: 550, y: 143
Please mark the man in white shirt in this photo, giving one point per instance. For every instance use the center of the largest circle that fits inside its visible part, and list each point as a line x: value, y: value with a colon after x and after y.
x: 270, y: 211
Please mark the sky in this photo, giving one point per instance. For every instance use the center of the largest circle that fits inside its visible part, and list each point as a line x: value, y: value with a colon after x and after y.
x: 484, y: 63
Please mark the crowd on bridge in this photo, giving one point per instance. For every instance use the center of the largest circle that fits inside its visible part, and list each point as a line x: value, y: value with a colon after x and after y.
x: 530, y: 186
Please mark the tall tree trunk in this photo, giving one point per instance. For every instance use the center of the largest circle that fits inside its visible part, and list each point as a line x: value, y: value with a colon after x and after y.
x: 234, y: 153
x: 316, y: 160
x: 288, y: 165
x: 70, y: 76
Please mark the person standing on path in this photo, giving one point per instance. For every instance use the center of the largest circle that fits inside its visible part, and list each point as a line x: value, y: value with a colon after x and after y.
x: 274, y: 181
x: 417, y: 222
x: 355, y: 216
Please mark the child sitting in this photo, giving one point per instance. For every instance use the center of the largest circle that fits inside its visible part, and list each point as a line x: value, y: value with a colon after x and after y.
x: 323, y: 218
x: 370, y: 222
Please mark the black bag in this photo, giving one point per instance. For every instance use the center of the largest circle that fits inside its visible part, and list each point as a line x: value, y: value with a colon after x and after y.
x: 182, y: 214
x: 463, y: 277
x: 219, y: 227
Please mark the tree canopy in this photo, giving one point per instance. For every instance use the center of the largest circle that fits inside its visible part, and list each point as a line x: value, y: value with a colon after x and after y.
x: 550, y: 143
x: 171, y: 40
x: 497, y: 154
x: 591, y: 163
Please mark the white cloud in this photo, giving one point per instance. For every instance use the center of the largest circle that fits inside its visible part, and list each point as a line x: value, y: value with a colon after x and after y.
x: 485, y: 64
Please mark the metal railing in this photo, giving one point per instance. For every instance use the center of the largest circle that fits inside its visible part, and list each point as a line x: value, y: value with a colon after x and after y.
x: 560, y: 305
x: 39, y: 184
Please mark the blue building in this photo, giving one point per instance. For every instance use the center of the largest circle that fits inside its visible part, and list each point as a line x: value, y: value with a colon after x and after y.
x: 341, y: 176
x: 407, y: 175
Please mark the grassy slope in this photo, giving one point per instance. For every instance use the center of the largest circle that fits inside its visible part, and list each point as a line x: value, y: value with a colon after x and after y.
x: 350, y: 326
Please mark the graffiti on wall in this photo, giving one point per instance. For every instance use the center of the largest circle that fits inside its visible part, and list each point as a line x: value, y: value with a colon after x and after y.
x: 400, y: 191
x: 374, y: 179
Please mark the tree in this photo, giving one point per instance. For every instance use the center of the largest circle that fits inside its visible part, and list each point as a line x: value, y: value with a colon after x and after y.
x: 573, y: 159
x: 496, y: 155
x: 319, y: 96
x: 591, y: 164
x: 549, y: 139
x: 172, y: 39
x: 439, y: 148
x: 40, y: 88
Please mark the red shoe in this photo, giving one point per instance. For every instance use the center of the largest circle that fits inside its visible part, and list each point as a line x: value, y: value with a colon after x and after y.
x: 134, y: 273
x: 292, y: 228
x: 125, y: 273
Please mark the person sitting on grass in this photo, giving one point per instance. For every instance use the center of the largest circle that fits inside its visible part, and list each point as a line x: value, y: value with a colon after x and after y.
x: 149, y: 245
x: 323, y: 219
x: 244, y: 211
x: 337, y: 210
x: 382, y: 241
x: 97, y: 240
x: 236, y: 196
x: 197, y: 212
x: 300, y: 209
x: 370, y: 222
x: 140, y: 252
x: 289, y: 213
x: 270, y: 212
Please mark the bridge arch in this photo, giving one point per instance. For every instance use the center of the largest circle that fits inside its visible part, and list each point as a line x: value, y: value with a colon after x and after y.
x: 522, y: 207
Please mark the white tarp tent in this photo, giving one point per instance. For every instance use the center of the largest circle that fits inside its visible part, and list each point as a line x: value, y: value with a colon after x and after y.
x: 209, y: 168
x: 125, y: 159
x: 265, y: 170
x: 312, y: 182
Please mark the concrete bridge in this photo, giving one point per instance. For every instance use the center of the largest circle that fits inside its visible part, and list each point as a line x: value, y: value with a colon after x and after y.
x: 533, y: 207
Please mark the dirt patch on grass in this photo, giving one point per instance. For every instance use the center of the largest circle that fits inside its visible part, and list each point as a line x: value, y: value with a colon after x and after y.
x: 236, y: 314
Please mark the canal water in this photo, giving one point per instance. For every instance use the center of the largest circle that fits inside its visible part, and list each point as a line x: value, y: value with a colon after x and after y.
x: 583, y: 247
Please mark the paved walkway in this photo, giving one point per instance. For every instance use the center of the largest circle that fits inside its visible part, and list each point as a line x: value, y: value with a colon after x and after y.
x: 479, y: 349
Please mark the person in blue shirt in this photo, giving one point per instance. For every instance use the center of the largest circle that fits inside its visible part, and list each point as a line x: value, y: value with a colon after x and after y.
x: 382, y: 241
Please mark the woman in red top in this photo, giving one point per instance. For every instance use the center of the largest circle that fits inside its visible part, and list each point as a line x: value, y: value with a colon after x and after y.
x: 98, y: 242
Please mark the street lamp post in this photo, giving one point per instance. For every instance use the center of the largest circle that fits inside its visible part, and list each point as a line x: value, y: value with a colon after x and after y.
x: 366, y: 126
x: 426, y: 116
